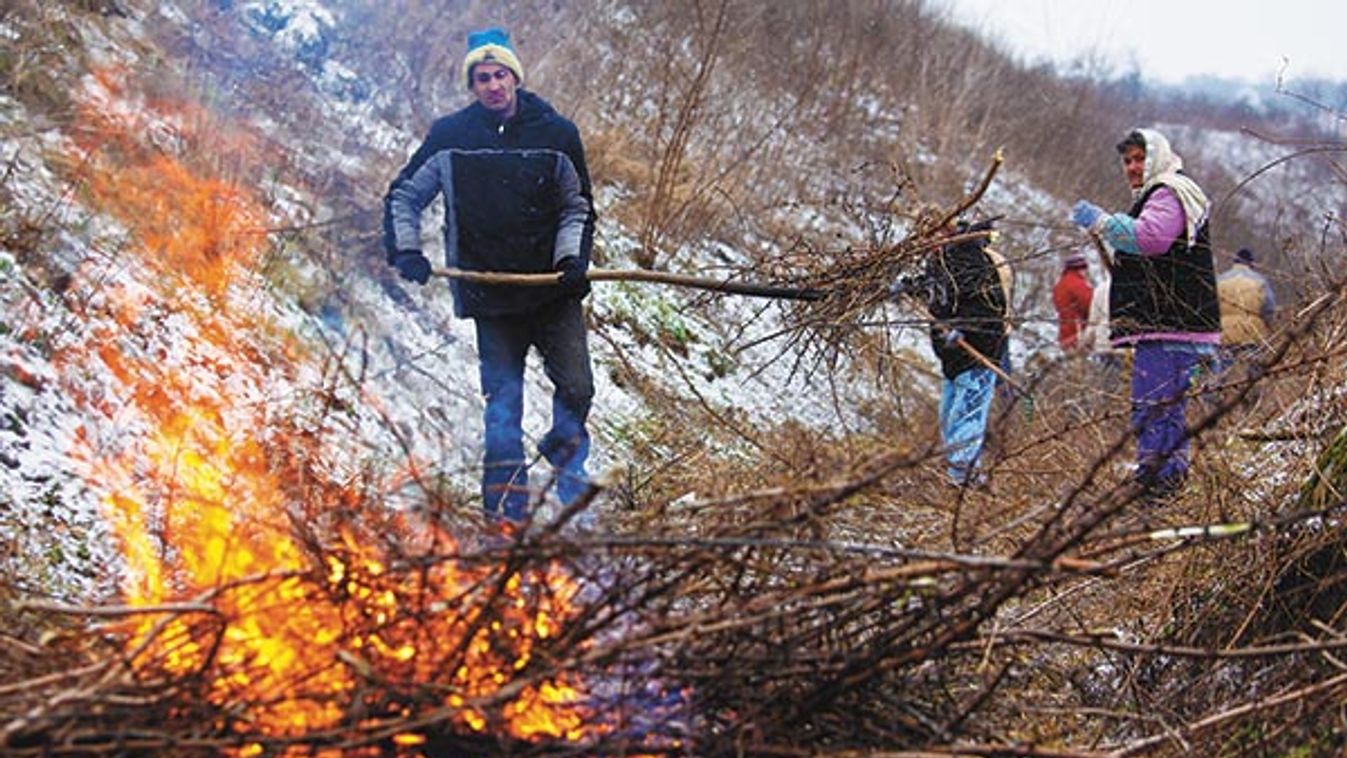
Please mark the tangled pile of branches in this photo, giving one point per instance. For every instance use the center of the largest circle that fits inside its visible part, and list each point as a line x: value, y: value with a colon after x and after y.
x: 781, y: 622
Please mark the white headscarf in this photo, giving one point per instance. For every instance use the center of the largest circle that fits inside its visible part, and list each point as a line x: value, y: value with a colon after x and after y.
x: 1163, y: 166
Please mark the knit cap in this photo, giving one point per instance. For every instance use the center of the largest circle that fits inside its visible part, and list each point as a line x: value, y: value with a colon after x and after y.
x: 1075, y: 260
x: 1245, y: 255
x: 491, y: 45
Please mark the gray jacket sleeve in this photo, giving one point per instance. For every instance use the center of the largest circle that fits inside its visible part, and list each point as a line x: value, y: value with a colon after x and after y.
x: 411, y: 196
x: 574, y: 211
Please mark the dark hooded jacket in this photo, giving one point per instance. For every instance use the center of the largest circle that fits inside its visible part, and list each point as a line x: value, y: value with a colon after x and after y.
x: 964, y: 292
x: 516, y: 195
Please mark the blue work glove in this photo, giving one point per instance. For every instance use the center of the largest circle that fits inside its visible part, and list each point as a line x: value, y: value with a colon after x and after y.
x: 573, y: 281
x: 412, y: 266
x: 1085, y: 214
x: 952, y: 338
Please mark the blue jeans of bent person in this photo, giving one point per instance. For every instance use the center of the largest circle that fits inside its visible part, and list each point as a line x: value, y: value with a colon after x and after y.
x: 965, y: 404
x: 557, y: 329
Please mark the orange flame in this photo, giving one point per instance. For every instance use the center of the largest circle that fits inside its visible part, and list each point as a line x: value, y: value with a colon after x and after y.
x: 199, y: 227
x: 214, y: 501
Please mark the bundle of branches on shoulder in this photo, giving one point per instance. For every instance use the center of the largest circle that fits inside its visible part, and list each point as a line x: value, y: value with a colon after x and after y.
x: 851, y: 286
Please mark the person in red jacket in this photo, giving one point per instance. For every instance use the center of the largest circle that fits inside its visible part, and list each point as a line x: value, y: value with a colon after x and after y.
x: 1071, y: 296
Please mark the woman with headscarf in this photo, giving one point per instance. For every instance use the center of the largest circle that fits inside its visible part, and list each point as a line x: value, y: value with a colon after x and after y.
x: 1162, y: 301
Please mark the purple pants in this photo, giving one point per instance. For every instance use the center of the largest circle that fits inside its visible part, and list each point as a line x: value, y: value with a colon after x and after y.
x: 1160, y: 378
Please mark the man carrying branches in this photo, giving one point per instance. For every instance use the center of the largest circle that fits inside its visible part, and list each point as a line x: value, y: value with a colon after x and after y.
x: 517, y: 199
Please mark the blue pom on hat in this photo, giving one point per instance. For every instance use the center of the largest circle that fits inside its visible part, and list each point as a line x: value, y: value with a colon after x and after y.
x: 491, y: 45
x: 493, y: 35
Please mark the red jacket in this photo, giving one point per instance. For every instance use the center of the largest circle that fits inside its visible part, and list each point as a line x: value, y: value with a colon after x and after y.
x: 1071, y: 296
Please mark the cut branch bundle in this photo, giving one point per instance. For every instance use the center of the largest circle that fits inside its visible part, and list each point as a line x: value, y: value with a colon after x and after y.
x: 835, y: 294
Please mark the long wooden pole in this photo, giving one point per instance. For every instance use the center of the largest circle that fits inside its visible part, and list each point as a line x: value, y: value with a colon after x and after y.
x: 639, y: 275
x: 684, y: 280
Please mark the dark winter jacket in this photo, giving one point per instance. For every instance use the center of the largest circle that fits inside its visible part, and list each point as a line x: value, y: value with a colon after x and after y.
x: 516, y: 196
x: 1167, y: 296
x: 964, y: 292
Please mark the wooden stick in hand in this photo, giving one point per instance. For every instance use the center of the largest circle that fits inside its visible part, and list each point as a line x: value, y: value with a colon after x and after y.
x: 639, y: 275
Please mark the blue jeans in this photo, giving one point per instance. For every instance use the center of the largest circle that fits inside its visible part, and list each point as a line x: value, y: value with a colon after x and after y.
x: 558, y: 331
x: 1160, y: 379
x: 965, y: 404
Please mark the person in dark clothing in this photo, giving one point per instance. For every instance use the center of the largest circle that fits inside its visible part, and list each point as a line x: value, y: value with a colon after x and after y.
x: 517, y: 198
x: 963, y: 291
x: 1162, y: 300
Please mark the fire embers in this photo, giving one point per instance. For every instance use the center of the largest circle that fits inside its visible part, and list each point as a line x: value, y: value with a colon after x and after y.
x: 433, y: 649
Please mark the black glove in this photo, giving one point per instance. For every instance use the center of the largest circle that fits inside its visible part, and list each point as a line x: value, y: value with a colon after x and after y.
x: 573, y: 281
x: 412, y: 266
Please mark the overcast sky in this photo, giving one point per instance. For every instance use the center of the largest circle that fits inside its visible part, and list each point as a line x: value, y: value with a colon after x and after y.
x: 1169, y: 40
